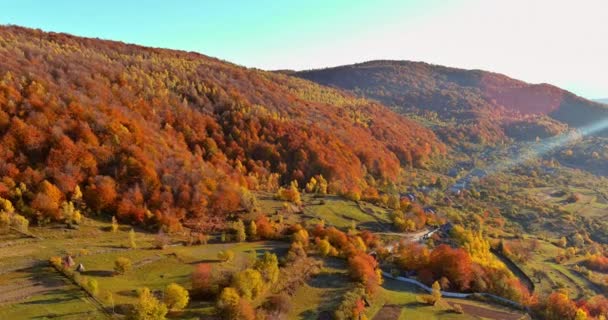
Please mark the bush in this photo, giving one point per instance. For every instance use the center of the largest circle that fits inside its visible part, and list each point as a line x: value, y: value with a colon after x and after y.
x: 278, y: 305
x: 122, y: 265
x: 55, y: 262
x: 457, y: 308
x: 92, y: 286
x: 226, y: 256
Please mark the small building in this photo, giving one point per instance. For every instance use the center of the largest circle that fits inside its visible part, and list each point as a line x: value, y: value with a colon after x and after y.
x: 68, y: 261
x: 446, y: 228
x: 430, y: 210
x: 410, y: 196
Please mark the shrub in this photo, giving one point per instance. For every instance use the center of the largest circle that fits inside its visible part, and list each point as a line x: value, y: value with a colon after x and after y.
x: 278, y: 305
x: 55, y: 262
x: 92, y: 286
x: 226, y: 256
x: 132, y: 243
x: 122, y: 265
x: 457, y: 308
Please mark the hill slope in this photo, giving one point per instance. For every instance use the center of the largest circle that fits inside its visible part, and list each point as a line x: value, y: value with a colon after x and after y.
x: 178, y: 134
x: 486, y: 105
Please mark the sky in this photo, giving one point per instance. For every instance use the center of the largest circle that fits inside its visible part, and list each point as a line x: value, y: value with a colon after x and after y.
x: 562, y: 42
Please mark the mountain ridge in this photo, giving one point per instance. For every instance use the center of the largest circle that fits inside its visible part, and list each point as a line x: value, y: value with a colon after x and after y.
x: 492, y: 105
x: 178, y: 134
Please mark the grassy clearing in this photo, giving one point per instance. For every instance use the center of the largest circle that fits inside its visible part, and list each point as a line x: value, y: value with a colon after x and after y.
x: 45, y: 293
x: 42, y: 293
x: 402, y: 295
x: 322, y: 293
x: 334, y: 210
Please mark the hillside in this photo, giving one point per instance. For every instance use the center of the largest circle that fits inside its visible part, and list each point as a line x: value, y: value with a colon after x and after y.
x: 178, y: 135
x: 479, y: 105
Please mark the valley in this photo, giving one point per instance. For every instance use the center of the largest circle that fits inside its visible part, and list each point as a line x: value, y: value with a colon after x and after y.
x: 147, y: 183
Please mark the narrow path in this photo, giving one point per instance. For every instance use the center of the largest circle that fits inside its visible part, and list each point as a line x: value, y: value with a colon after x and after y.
x: 517, y: 271
x: 456, y: 295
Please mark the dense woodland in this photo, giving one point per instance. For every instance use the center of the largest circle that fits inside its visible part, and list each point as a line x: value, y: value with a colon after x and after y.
x: 479, y: 106
x: 159, y: 136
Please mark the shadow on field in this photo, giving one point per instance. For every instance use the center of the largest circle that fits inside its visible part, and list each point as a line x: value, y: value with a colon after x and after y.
x: 128, y: 293
x: 206, y: 261
x: 98, y: 273
x: 374, y: 226
x: 82, y: 315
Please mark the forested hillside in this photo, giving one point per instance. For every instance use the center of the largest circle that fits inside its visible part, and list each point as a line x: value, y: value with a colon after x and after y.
x: 158, y: 136
x: 477, y: 105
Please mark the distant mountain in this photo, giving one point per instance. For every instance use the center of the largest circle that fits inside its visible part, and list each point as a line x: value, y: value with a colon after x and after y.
x: 474, y: 104
x: 604, y: 101
x: 159, y: 136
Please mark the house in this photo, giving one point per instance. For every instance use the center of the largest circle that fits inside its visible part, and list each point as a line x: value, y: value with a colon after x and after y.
x: 409, y: 196
x: 68, y: 261
x: 430, y: 210
x: 454, y: 172
x: 446, y: 228
x: 479, y: 173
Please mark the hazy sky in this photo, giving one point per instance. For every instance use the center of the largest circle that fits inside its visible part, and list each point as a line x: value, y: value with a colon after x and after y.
x: 563, y: 42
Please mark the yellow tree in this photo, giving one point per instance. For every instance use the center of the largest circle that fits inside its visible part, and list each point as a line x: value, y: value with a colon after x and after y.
x: 132, y: 243
x: 70, y: 213
x: 239, y: 228
x: 114, y: 224
x: 226, y: 256
x: 228, y: 302
x: 176, y: 297
x: 253, y: 231
x: 581, y: 315
x: 268, y: 266
x: 249, y: 283
x: 122, y: 265
x: 324, y: 247
x: 148, y: 307
x: 301, y: 236
x: 436, y: 292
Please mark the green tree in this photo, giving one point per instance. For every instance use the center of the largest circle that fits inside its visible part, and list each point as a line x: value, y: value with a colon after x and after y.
x: 148, y: 307
x: 176, y: 297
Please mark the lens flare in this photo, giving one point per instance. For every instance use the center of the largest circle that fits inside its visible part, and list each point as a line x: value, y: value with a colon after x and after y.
x: 534, y: 150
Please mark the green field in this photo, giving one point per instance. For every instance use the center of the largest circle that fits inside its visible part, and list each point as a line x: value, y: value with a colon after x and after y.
x: 38, y: 291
